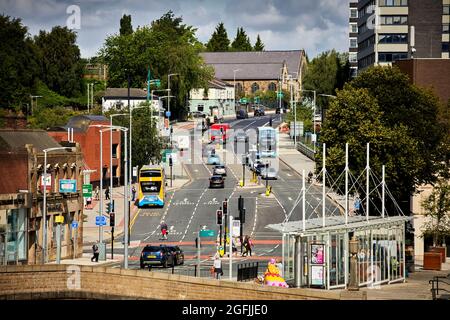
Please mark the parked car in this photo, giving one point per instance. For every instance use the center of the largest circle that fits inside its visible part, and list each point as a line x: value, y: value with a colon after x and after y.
x: 278, y: 110
x: 178, y: 254
x: 154, y: 255
x: 219, y: 170
x: 213, y: 159
x: 217, y: 182
x: 268, y: 174
x: 259, y: 111
x: 241, y: 137
x: 198, y: 114
x: 242, y: 114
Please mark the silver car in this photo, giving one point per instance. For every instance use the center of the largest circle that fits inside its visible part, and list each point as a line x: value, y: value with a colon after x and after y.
x: 269, y: 174
x: 220, y: 170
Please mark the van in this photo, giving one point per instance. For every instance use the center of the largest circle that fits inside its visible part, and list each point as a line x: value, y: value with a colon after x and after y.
x: 219, y: 132
x: 242, y: 114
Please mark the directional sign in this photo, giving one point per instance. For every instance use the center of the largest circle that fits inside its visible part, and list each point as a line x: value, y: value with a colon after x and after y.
x: 74, y: 224
x: 207, y: 233
x: 280, y: 95
x: 100, y: 221
x: 243, y: 100
x: 67, y: 185
x: 87, y: 190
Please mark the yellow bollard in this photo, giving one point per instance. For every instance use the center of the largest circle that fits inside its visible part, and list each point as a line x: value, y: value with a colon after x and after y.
x: 241, y: 183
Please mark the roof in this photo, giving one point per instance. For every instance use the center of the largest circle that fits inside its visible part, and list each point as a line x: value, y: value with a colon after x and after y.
x: 336, y: 223
x: 218, y: 84
x: 122, y: 93
x: 253, y: 65
x: 80, y: 123
x: 17, y: 139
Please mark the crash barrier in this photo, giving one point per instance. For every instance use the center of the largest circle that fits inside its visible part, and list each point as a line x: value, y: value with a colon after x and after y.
x: 305, y: 150
x: 85, y: 282
x: 435, y: 289
x: 247, y: 271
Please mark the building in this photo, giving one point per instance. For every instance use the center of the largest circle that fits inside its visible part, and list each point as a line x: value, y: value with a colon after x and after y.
x: 220, y: 95
x: 251, y: 71
x: 432, y: 74
x: 89, y: 140
x: 391, y: 30
x: 21, y: 197
x: 353, y: 37
x: 117, y: 99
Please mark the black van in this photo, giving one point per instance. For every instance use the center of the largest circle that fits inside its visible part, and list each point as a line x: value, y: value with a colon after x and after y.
x: 241, y: 114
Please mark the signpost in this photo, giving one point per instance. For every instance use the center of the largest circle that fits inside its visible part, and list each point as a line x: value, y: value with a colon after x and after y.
x: 67, y: 185
x: 74, y: 228
x: 87, y: 190
x: 100, y: 221
x: 202, y: 233
x: 48, y: 182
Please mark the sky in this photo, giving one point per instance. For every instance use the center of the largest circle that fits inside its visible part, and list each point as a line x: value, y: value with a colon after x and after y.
x: 313, y: 25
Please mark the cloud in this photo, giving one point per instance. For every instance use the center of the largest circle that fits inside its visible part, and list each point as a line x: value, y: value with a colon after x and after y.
x: 315, y: 25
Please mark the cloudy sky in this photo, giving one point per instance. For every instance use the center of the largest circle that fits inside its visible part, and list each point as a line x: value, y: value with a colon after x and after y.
x: 313, y: 25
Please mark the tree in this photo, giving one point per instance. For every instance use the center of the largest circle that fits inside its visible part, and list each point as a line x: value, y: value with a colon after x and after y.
x: 219, y: 40
x: 61, y: 65
x: 437, y: 210
x: 19, y: 68
x: 259, y: 45
x: 125, y: 25
x: 241, y: 42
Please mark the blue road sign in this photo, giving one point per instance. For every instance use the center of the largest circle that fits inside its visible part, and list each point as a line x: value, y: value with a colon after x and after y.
x: 74, y: 224
x: 168, y: 114
x: 100, y: 221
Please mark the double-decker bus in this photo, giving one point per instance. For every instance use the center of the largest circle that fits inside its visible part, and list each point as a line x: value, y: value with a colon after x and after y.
x: 267, y: 142
x: 151, y: 186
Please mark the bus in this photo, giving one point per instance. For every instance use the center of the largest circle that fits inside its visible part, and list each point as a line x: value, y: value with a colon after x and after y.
x: 151, y: 186
x: 267, y: 142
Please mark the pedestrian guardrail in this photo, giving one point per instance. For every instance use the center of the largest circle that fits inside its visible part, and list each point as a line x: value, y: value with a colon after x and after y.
x: 247, y: 271
x: 435, y: 289
x: 306, y: 150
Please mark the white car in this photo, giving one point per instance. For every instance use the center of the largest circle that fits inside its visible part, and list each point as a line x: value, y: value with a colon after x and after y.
x: 270, y: 173
x: 220, y: 170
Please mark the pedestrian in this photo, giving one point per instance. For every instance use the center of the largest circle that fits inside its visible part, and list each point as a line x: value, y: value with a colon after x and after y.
x: 218, y: 266
x: 245, y: 245
x: 96, y: 253
x: 310, y: 176
x: 233, y: 246
x: 97, y: 193
x: 249, y: 246
x: 107, y: 193
x: 133, y: 192
x: 88, y: 202
x: 164, y: 230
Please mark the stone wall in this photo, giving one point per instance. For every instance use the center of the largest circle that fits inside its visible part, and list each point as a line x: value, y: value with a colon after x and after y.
x: 53, y: 282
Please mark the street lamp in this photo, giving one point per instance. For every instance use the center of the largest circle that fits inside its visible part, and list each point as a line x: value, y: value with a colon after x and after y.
x: 168, y: 101
x: 111, y: 153
x: 234, y: 84
x: 44, y: 211
x: 34, y: 97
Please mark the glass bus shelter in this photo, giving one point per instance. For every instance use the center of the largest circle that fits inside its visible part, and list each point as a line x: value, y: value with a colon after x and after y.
x: 317, y: 256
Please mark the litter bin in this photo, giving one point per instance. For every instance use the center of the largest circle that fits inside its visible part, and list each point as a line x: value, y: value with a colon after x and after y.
x: 102, y: 251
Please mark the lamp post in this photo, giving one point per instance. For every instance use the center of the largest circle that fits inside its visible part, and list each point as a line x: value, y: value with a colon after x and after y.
x: 151, y: 95
x: 234, y: 85
x: 353, y: 248
x: 111, y: 153
x: 44, y: 211
x: 168, y: 101
x: 34, y: 97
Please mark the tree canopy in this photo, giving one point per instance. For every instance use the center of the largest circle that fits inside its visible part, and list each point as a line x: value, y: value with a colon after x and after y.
x: 259, y: 45
x: 125, y: 25
x: 242, y: 41
x: 219, y: 40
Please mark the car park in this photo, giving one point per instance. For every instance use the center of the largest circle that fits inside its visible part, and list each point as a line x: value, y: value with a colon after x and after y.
x: 217, y: 182
x: 220, y: 170
x: 213, y: 159
x: 157, y: 255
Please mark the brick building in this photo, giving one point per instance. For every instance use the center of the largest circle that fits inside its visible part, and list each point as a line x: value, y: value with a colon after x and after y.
x: 21, y: 197
x: 89, y: 140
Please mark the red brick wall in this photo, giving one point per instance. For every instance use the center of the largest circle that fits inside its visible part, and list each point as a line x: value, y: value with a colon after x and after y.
x: 90, y: 147
x: 13, y: 171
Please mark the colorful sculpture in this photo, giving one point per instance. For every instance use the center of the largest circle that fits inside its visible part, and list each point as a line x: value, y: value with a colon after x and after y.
x: 272, y: 276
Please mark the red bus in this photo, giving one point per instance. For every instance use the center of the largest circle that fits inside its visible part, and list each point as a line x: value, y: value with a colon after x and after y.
x: 219, y: 132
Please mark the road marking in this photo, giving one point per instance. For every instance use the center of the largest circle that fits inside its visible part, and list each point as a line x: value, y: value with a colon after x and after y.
x: 134, y: 219
x: 193, y: 213
x: 290, y: 199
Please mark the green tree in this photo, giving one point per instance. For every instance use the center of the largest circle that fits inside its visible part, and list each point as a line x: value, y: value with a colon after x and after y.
x: 259, y: 45
x: 18, y: 63
x: 167, y: 46
x: 61, y: 65
x: 125, y: 25
x: 219, y: 40
x: 241, y: 42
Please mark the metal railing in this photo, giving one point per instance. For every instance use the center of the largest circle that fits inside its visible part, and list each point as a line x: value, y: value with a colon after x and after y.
x: 247, y: 271
x: 307, y: 151
x: 435, y: 288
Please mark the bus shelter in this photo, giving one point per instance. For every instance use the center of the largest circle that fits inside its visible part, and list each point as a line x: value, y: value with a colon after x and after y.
x: 316, y: 252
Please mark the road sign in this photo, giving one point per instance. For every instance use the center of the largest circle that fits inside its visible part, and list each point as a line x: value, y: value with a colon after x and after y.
x: 87, y: 190
x: 243, y: 100
x: 236, y: 228
x: 168, y: 114
x: 48, y: 183
x: 207, y: 233
x: 67, y: 185
x: 100, y: 221
x: 74, y: 224
x: 59, y: 219
x: 280, y: 95
x: 183, y: 142
x: 135, y: 170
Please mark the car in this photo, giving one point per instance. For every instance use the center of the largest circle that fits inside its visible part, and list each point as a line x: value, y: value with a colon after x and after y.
x: 217, y: 181
x: 277, y: 110
x: 257, y: 167
x: 157, y: 255
x: 268, y: 174
x: 242, y: 114
x: 241, y: 137
x: 219, y: 170
x: 178, y: 254
x: 213, y: 159
x: 198, y: 114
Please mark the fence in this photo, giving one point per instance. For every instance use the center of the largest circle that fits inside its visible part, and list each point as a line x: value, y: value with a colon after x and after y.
x: 247, y: 271
x: 305, y: 150
x: 435, y: 288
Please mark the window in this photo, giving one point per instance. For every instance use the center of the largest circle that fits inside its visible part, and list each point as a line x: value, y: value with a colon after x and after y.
x: 255, y: 87
x: 367, y: 43
x: 114, y: 150
x: 390, y: 57
x: 445, y: 28
x: 393, y: 20
x: 353, y: 43
x: 445, y: 47
x: 393, y: 38
x: 150, y: 173
x: 16, y: 235
x: 353, y: 28
x: 272, y: 86
x: 352, y: 57
x: 150, y: 186
x: 200, y: 107
x: 393, y: 3
x: 353, y: 13
x: 446, y: 9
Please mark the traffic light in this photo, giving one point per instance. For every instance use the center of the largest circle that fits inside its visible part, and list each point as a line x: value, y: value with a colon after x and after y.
x: 170, y: 161
x: 219, y: 215
x: 242, y: 215
x: 112, y: 219
x: 240, y: 203
x: 109, y: 208
x: 225, y: 206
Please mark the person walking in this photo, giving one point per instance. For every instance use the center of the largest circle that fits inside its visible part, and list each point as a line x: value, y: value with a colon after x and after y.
x: 218, y: 266
x: 97, y: 193
x: 133, y: 192
x: 96, y: 253
x: 249, y: 245
x: 107, y: 193
x: 164, y: 230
